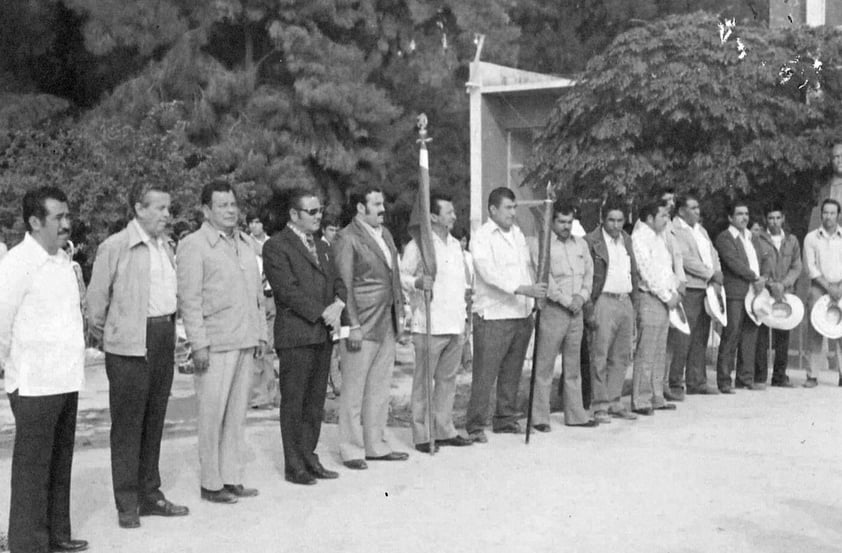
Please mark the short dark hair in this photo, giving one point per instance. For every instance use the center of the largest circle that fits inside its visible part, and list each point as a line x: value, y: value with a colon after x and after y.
x: 733, y: 205
x: 651, y: 208
x: 329, y: 220
x: 830, y: 201
x: 360, y: 196
x: 435, y: 199
x: 563, y: 207
x: 137, y: 195
x: 665, y: 189
x: 495, y: 198
x: 216, y: 185
x: 681, y: 201
x: 252, y: 215
x: 293, y: 197
x: 773, y: 206
x: 35, y: 203
x: 613, y: 203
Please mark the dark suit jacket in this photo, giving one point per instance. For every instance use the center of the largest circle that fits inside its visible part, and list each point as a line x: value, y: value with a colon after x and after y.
x: 599, y: 253
x: 302, y: 289
x: 375, y: 298
x: 736, y: 272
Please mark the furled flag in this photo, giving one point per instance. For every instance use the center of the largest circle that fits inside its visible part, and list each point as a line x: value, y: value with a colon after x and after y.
x: 420, y: 228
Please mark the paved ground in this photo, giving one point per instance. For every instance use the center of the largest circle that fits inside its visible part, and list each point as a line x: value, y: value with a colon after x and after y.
x: 757, y: 471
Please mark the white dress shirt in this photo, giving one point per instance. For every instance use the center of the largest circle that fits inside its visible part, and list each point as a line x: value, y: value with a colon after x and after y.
x: 618, y: 276
x: 448, y: 303
x: 162, y: 280
x: 42, y: 342
x: 823, y: 254
x: 777, y: 239
x: 701, y: 239
x: 377, y: 234
x: 751, y: 253
x: 654, y: 261
x: 502, y: 264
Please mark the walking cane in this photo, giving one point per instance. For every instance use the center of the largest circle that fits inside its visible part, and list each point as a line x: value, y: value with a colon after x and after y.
x: 541, y: 277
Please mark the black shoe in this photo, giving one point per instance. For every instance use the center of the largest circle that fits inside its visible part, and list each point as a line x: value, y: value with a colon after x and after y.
x: 391, y: 456
x: 541, y: 427
x: 424, y: 447
x: 128, y: 520
x: 163, y: 508
x: 726, y: 390
x: 239, y: 490
x: 674, y: 394
x: 70, y: 545
x: 589, y: 424
x: 322, y: 473
x: 666, y: 407
x: 703, y: 391
x: 356, y: 464
x: 645, y: 411
x: 300, y: 477
x: 221, y: 495
x: 455, y: 441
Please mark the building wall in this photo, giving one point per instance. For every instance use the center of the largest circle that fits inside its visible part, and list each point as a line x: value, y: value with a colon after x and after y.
x: 810, y: 12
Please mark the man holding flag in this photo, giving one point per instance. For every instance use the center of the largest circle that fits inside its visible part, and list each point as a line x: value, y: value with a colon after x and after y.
x: 442, y: 350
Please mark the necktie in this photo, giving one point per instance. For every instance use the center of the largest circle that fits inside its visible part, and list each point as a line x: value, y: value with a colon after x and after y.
x: 311, y: 246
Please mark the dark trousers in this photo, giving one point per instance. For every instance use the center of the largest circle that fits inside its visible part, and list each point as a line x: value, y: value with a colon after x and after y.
x: 45, y: 427
x: 688, y: 352
x: 138, y: 392
x: 499, y: 352
x: 740, y: 333
x: 303, y: 375
x: 780, y: 343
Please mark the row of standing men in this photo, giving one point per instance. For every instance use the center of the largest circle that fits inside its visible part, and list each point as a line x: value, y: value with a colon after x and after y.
x: 606, y: 283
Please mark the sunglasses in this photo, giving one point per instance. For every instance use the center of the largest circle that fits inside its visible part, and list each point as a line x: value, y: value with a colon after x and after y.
x: 312, y: 212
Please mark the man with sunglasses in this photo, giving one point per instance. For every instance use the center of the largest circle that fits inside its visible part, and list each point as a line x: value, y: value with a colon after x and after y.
x: 309, y: 300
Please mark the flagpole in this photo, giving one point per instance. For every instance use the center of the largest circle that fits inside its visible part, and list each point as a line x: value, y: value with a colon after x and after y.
x: 542, y: 277
x: 428, y: 294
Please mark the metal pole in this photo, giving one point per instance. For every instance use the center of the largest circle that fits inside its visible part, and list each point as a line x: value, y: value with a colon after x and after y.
x: 429, y: 372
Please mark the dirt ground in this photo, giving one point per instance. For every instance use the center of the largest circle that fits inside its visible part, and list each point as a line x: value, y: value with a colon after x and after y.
x: 751, y: 472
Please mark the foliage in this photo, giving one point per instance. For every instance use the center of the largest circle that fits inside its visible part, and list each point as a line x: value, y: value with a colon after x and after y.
x: 670, y: 104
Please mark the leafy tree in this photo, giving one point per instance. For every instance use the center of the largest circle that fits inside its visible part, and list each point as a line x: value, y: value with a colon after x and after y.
x: 670, y: 103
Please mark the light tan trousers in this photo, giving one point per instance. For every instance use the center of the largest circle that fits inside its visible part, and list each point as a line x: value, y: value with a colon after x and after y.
x: 223, y: 392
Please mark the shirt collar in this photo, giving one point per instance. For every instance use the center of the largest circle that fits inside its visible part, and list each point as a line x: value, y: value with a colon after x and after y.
x: 302, y: 235
x: 38, y: 254
x: 737, y: 234
x: 837, y: 232
x: 214, y: 235
x: 376, y: 231
x: 772, y: 236
x: 618, y: 241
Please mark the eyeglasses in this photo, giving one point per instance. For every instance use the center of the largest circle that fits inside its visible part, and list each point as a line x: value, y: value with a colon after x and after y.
x: 312, y: 212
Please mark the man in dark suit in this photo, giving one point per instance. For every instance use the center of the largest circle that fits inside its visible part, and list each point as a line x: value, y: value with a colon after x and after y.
x: 309, y: 299
x: 609, y: 312
x: 741, y: 267
x: 368, y: 264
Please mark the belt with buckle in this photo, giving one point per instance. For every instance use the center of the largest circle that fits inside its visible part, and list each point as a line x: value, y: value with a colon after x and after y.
x: 614, y: 296
x: 161, y: 318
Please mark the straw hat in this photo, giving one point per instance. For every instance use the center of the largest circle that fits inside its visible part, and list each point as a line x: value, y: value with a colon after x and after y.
x: 715, y: 305
x: 826, y: 317
x: 678, y: 319
x: 762, y: 308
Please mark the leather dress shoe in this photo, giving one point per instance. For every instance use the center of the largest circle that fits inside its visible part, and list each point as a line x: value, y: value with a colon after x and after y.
x: 424, y: 447
x: 666, y: 407
x: 478, y: 437
x: 69, y: 545
x: 589, y: 424
x: 391, y: 456
x: 623, y: 414
x: 356, y: 464
x: 163, y: 508
x: 726, y: 390
x: 128, y: 520
x: 785, y: 383
x: 645, y: 411
x: 241, y: 491
x: 322, y: 473
x: 753, y: 386
x: 455, y: 441
x: 674, y: 394
x: 300, y: 477
x: 221, y: 495
x: 602, y: 417
x: 811, y: 382
x: 542, y: 427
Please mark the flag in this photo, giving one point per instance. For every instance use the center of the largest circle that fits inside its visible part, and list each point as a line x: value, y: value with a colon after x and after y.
x: 420, y: 227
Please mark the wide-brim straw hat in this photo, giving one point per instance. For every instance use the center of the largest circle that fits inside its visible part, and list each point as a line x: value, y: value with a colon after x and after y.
x: 780, y: 315
x: 715, y: 305
x: 678, y: 319
x: 826, y: 317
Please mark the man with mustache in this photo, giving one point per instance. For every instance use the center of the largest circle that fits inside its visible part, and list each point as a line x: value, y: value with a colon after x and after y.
x: 131, y: 308
x: 44, y: 359
x: 367, y: 260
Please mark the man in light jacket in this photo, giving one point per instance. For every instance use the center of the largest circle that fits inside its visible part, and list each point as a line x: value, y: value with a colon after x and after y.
x: 701, y: 265
x: 221, y: 298
x: 131, y: 309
